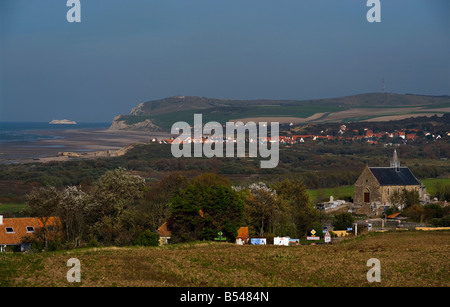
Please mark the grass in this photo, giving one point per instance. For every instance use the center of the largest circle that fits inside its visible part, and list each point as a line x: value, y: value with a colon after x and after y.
x: 407, y: 259
x: 325, y: 193
x: 222, y: 111
x: 11, y: 208
x: 432, y: 183
x: 348, y: 191
x: 223, y: 115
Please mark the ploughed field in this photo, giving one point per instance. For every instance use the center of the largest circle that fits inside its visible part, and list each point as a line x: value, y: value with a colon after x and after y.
x: 407, y: 258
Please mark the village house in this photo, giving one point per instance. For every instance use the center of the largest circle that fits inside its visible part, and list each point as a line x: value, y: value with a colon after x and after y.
x: 164, y: 234
x: 376, y: 185
x: 243, y: 236
x: 14, y: 230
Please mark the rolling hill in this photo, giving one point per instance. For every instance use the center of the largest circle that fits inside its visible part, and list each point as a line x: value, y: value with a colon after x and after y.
x: 159, y: 115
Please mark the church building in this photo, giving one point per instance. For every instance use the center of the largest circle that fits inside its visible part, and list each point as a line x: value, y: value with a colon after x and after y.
x: 375, y: 185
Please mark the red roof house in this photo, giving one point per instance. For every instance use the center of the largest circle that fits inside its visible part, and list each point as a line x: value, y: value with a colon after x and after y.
x: 243, y: 235
x: 13, y: 230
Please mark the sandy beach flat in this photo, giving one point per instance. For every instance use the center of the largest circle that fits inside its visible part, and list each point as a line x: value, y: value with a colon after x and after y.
x: 78, y: 140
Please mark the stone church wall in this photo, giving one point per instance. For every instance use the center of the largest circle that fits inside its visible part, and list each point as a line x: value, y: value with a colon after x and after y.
x: 366, y: 183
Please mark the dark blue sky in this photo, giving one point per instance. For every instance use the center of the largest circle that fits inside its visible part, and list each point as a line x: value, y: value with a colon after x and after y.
x: 127, y: 52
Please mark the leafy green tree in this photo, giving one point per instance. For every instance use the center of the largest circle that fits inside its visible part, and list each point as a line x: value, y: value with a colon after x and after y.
x: 443, y: 191
x: 44, y: 203
x: 155, y: 204
x: 411, y: 198
x: 404, y: 198
x: 441, y: 222
x: 262, y: 208
x: 303, y: 212
x: 434, y: 211
x: 201, y: 210
x: 342, y: 221
x: 415, y: 213
x: 210, y: 179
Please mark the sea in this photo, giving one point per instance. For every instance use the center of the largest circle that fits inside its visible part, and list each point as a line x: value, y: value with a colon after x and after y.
x: 33, y: 131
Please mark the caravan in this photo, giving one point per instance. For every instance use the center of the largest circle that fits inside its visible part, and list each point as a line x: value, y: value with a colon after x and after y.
x: 281, y: 241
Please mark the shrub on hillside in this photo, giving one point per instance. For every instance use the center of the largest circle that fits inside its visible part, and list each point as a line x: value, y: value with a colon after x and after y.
x: 147, y: 238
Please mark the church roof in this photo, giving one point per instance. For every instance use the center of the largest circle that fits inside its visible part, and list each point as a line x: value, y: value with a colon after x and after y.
x: 394, y: 176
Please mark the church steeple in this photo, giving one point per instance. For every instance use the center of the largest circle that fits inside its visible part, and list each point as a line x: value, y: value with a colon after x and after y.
x: 395, y: 162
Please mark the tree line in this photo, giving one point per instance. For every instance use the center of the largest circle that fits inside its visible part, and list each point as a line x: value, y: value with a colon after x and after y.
x: 320, y: 164
x: 408, y: 203
x: 123, y: 209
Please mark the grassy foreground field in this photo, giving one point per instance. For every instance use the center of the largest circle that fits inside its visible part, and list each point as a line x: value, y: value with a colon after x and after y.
x: 407, y: 259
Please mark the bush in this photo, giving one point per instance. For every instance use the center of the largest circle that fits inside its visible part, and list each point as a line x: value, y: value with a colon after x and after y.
x: 342, y: 221
x: 54, y: 245
x: 93, y: 243
x: 441, y: 222
x: 443, y: 191
x: 205, y: 207
x: 147, y: 238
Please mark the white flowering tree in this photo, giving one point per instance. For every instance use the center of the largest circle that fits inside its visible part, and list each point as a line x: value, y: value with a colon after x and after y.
x: 113, y: 194
x: 73, y: 212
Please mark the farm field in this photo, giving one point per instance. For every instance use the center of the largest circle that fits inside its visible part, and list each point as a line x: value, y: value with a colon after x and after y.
x: 407, y: 259
x: 372, y: 106
x: 325, y: 193
x: 432, y: 183
x: 347, y: 191
x: 12, y: 208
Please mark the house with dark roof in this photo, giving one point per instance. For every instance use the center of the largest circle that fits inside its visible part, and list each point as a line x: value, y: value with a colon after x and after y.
x: 376, y: 185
